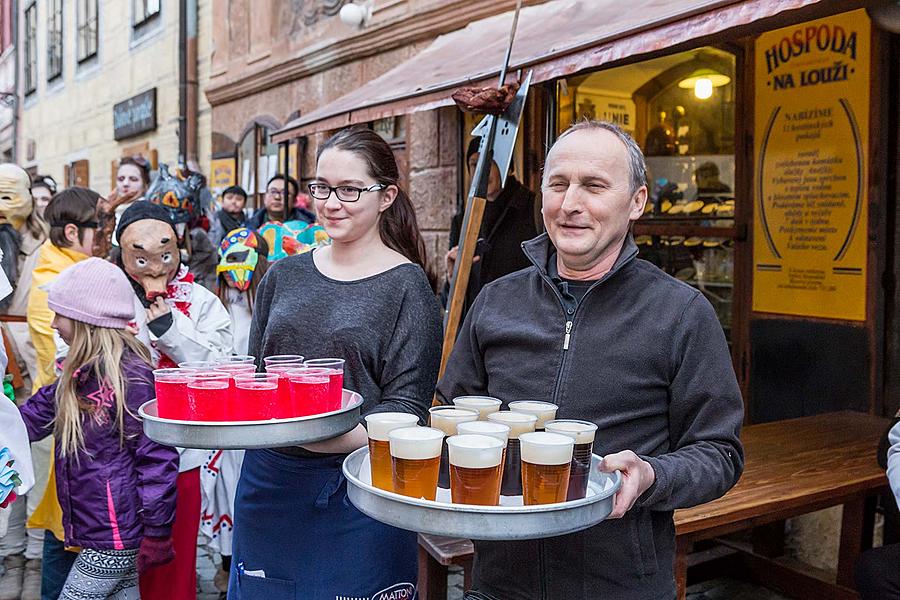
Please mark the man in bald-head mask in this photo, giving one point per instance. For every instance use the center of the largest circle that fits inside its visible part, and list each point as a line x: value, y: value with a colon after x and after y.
x: 179, y: 321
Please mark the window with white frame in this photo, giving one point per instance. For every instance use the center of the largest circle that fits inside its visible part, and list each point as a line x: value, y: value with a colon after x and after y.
x: 143, y: 11
x: 87, y: 29
x: 54, y: 40
x: 30, y: 58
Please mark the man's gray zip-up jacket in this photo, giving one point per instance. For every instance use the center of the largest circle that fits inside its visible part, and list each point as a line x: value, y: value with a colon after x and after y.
x: 642, y: 356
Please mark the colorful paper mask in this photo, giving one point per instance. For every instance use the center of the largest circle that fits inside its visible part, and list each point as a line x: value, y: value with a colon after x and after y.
x: 238, y: 257
x: 291, y: 237
x: 150, y: 255
x: 15, y: 195
x: 181, y: 194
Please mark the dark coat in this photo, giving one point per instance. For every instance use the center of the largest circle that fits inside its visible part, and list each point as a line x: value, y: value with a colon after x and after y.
x: 261, y: 217
x: 111, y: 497
x: 508, y: 223
x: 642, y: 356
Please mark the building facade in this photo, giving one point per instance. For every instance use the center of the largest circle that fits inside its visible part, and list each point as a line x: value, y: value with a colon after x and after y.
x: 8, y: 98
x: 99, y: 80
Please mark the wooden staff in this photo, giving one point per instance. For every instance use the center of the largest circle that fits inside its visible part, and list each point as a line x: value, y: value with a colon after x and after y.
x: 471, y: 225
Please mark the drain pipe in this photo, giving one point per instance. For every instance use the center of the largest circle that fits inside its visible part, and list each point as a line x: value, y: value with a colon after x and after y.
x: 187, y: 84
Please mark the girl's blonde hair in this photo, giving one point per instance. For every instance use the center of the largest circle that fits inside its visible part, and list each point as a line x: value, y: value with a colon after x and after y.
x: 102, y: 350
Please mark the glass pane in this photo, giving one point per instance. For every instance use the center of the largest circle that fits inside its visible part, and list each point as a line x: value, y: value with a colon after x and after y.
x: 681, y: 110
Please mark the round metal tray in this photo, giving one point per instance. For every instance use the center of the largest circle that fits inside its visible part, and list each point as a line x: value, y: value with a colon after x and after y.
x: 509, y: 521
x: 237, y: 435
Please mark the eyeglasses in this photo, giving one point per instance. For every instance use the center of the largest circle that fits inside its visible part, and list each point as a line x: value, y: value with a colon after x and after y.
x: 344, y: 193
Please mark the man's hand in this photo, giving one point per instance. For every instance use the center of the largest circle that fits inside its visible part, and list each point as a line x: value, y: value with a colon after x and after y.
x: 450, y: 259
x: 637, y: 477
x: 157, y: 309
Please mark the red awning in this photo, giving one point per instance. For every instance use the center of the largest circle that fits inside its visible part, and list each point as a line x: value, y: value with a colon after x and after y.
x: 557, y: 38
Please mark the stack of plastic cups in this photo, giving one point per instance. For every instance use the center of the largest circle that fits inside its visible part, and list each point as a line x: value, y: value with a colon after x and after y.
x: 280, y: 365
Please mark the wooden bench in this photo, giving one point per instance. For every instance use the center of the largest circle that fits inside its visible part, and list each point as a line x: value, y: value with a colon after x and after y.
x: 792, y: 468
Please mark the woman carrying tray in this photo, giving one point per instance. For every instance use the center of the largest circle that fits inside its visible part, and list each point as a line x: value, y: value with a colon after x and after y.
x: 366, y: 299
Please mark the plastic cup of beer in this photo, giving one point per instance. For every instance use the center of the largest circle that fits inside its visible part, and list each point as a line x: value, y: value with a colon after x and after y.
x: 495, y: 430
x: 255, y: 397
x: 583, y: 433
x: 476, y: 462
x: 415, y: 458
x: 546, y: 464
x: 518, y: 424
x: 544, y: 411
x: 171, y: 393
x: 446, y: 418
x: 207, y: 394
x: 379, y: 425
x: 335, y: 368
x: 485, y: 405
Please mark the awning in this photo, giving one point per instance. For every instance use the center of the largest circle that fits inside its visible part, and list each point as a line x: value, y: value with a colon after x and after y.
x: 557, y: 38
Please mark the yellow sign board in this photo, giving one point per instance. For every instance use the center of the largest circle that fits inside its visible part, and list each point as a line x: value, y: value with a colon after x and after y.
x: 812, y: 145
x: 221, y: 173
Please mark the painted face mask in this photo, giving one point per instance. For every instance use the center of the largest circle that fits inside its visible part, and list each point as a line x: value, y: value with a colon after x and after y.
x: 15, y: 195
x: 238, y: 257
x: 181, y: 193
x: 291, y: 237
x: 150, y: 256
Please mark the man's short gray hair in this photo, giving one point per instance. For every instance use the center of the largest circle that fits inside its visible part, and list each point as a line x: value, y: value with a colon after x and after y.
x: 636, y: 164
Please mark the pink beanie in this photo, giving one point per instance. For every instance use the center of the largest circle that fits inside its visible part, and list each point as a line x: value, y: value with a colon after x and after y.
x: 93, y: 291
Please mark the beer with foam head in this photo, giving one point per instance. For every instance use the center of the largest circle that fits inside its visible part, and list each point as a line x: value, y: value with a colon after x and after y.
x: 546, y: 463
x: 446, y: 418
x: 475, y: 464
x: 518, y: 424
x: 495, y: 430
x: 544, y: 411
x: 582, y: 432
x: 485, y: 405
x: 379, y: 425
x: 415, y: 458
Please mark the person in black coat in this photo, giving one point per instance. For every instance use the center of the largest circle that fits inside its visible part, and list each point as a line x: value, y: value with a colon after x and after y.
x: 509, y: 220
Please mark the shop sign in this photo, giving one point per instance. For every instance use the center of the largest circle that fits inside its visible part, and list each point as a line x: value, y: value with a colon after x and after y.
x: 135, y: 115
x: 222, y: 173
x: 812, y: 141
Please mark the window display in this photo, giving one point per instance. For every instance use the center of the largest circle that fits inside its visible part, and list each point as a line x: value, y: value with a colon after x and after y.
x: 680, y: 109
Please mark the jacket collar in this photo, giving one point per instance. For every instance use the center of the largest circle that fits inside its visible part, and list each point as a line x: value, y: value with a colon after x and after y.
x: 538, y: 251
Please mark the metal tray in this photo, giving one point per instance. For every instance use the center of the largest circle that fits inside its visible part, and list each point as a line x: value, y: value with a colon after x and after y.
x: 237, y: 435
x: 509, y: 521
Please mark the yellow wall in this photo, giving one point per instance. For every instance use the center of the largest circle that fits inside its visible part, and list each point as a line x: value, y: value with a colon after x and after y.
x: 71, y: 118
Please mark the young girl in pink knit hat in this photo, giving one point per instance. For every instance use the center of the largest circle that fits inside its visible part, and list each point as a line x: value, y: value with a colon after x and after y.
x: 115, y: 485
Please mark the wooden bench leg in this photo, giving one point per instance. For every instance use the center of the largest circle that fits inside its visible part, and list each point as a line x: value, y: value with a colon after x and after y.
x: 857, y: 524
x: 432, y: 577
x: 682, y: 549
x: 467, y: 573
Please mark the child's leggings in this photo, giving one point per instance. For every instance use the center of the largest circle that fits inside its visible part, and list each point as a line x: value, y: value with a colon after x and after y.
x: 102, y: 575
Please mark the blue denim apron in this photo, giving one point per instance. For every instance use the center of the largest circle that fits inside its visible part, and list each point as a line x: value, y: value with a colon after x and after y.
x: 298, y: 537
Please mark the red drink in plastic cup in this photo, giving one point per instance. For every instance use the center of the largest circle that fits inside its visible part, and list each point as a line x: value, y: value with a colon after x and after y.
x: 309, y: 390
x: 257, y: 396
x: 207, y: 393
x: 171, y: 393
x: 232, y: 409
x: 284, y: 408
x: 335, y: 368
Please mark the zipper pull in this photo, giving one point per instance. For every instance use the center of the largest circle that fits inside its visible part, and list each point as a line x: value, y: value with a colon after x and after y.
x: 568, y: 333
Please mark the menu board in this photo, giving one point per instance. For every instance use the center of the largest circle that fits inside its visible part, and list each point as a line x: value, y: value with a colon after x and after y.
x: 812, y: 138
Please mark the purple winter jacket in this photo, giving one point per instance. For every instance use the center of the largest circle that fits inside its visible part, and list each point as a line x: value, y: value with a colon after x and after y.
x: 111, y: 496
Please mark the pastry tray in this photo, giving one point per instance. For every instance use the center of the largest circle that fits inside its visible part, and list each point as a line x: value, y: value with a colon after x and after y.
x: 235, y: 435
x: 509, y: 521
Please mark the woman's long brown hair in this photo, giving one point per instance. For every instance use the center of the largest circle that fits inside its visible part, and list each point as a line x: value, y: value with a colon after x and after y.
x: 397, y: 225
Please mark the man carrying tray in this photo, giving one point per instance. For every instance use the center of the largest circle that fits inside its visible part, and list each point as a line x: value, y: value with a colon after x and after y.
x: 611, y: 339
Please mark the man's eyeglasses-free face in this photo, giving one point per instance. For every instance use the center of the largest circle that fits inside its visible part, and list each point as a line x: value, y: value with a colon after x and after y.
x: 344, y: 193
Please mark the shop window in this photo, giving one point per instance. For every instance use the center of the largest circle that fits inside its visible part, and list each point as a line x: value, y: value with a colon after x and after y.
x: 681, y: 110
x: 257, y: 161
x: 143, y: 11
x: 54, y: 40
x: 87, y: 29
x: 30, y: 58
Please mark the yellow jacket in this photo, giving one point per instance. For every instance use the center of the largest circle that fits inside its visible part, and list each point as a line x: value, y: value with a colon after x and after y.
x: 52, y: 260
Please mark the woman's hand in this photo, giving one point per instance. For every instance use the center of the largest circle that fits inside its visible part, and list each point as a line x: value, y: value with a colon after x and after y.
x: 344, y: 444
